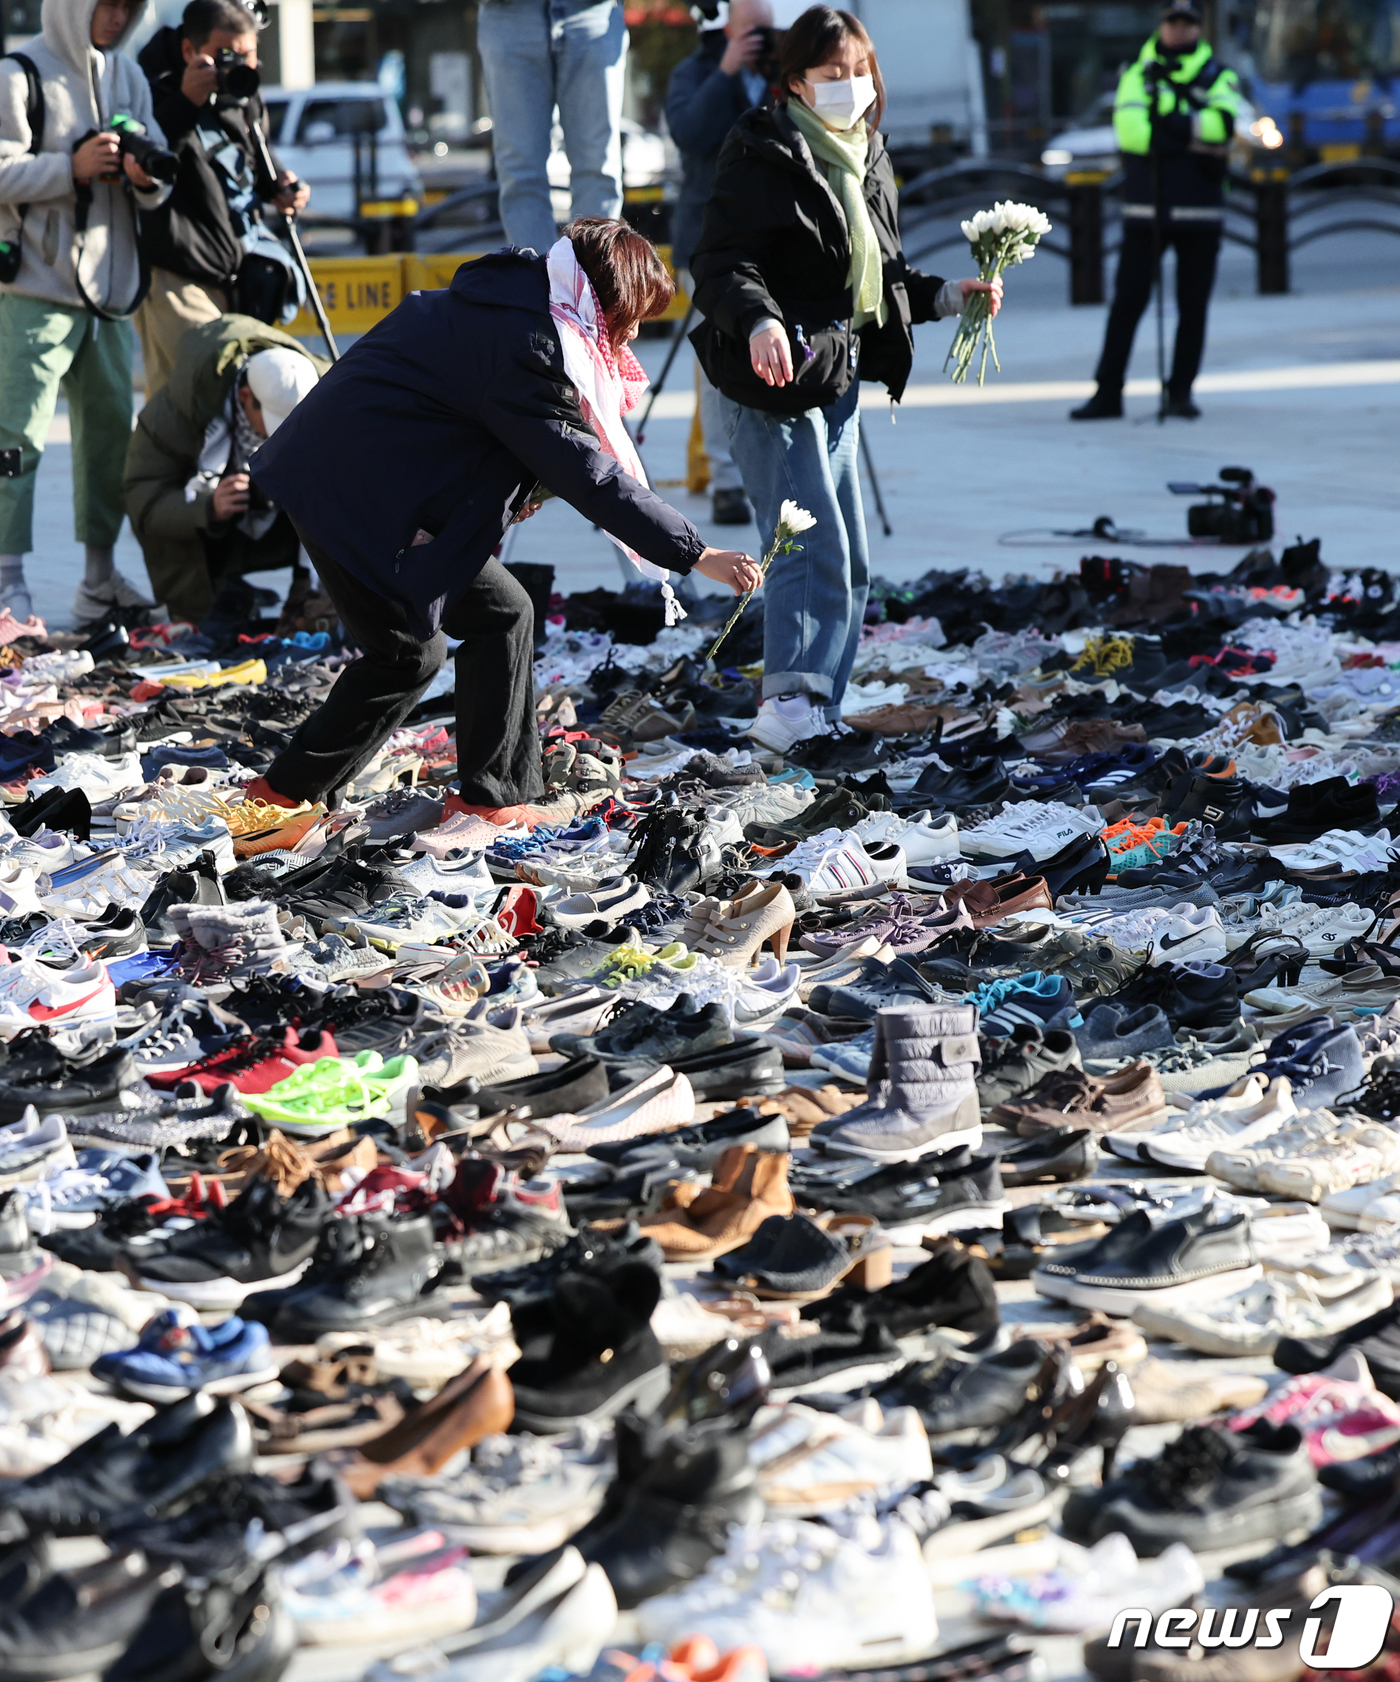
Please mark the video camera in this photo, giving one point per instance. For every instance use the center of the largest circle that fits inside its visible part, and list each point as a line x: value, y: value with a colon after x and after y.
x: 1244, y: 513
x: 238, y: 80
x: 133, y: 142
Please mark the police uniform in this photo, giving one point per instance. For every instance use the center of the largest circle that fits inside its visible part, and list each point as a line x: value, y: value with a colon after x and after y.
x: 1174, y: 160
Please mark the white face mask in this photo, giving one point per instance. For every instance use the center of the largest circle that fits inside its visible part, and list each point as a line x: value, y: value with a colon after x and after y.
x: 841, y: 105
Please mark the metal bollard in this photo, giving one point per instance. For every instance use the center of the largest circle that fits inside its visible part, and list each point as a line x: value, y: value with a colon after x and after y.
x: 1271, y: 232
x: 1085, y: 237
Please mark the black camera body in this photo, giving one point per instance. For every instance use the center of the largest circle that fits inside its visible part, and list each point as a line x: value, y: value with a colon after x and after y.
x: 237, y: 79
x: 1243, y: 513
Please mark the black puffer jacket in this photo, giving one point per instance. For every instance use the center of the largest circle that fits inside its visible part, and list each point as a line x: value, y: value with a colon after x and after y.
x: 775, y: 243
x: 193, y: 233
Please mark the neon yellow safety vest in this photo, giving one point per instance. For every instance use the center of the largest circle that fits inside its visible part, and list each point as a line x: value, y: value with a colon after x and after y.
x: 1197, y: 86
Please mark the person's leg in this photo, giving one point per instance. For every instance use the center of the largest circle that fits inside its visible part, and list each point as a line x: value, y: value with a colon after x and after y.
x: 806, y: 597
x: 1197, y: 252
x: 724, y: 475
x: 171, y: 307
x: 843, y: 452
x: 372, y: 696
x: 513, y: 38
x: 98, y: 388
x: 37, y: 344
x: 1132, y: 291
x: 590, y: 65
x: 498, y: 745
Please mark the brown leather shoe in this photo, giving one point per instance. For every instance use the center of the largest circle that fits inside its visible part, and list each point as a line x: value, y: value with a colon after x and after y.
x: 748, y: 1185
x: 477, y: 1403
x: 1070, y: 1098
x: 989, y: 902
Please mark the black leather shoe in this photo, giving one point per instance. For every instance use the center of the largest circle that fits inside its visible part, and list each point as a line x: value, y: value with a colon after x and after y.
x: 1101, y: 406
x: 1181, y: 408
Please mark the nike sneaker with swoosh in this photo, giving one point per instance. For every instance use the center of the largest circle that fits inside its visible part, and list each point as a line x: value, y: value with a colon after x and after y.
x: 1190, y: 934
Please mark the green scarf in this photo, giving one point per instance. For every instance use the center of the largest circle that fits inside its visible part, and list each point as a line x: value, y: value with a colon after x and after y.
x: 846, y: 154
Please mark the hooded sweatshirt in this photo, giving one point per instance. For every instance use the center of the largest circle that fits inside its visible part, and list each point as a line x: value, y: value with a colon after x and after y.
x: 84, y: 88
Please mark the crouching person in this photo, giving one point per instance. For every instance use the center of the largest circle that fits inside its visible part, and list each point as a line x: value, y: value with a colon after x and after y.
x: 200, y: 521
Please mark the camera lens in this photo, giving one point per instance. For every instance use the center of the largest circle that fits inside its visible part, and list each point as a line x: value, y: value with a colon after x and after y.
x: 241, y: 81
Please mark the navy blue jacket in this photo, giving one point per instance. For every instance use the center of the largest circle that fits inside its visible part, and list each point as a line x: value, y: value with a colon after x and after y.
x: 702, y: 105
x: 444, y: 417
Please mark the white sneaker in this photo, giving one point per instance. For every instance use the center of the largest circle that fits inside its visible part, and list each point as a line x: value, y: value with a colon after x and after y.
x: 32, y: 1148
x: 770, y: 803
x: 556, y: 1620
x: 1288, y: 1235
x: 96, y: 603
x: 781, y: 724
x: 467, y: 875
x: 1342, y: 1210
x: 922, y: 840
x: 1345, y: 849
x: 1189, y: 934
x: 1041, y: 828
x: 1323, y: 929
x: 811, y: 1463
x: 1355, y: 1152
x: 831, y: 863
x: 1088, y: 1587
x: 813, y: 1600
x: 99, y: 779
x: 1221, y: 1124
x: 48, y: 995
x: 1253, y: 1320
x: 1239, y: 1166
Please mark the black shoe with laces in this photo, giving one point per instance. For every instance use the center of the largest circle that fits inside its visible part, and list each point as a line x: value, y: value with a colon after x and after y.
x: 73, y: 1086
x: 1210, y: 1488
x: 385, y: 1019
x: 1225, y: 803
x: 1196, y: 995
x: 261, y: 1239
x: 645, y: 1034
x: 1314, y: 808
x: 588, y: 1251
x: 976, y: 1398
x: 981, y: 783
x: 385, y: 1268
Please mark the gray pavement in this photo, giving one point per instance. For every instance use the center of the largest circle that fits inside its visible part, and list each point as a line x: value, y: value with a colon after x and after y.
x: 1304, y: 389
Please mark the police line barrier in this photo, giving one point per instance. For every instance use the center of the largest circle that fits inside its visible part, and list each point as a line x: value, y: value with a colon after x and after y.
x: 359, y: 291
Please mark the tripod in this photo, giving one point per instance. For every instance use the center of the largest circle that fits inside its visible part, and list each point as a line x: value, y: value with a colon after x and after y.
x: 666, y: 367
x: 289, y: 228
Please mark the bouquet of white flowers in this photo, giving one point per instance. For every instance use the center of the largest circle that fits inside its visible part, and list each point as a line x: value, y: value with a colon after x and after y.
x: 1001, y: 237
x: 792, y: 522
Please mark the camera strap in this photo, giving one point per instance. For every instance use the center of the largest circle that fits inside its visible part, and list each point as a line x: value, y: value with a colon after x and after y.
x: 35, y: 115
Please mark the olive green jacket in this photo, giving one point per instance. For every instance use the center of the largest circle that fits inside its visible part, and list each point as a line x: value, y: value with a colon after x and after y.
x: 163, y: 457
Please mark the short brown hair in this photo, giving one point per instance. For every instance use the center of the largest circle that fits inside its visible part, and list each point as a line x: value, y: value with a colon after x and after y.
x: 627, y: 273
x: 816, y: 38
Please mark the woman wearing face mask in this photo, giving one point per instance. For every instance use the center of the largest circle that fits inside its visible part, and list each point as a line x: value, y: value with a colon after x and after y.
x: 805, y: 292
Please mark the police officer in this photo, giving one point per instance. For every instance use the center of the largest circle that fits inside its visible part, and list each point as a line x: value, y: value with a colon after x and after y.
x: 1174, y: 115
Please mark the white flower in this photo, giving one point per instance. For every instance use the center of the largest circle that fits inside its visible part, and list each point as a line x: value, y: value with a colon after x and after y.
x: 792, y: 520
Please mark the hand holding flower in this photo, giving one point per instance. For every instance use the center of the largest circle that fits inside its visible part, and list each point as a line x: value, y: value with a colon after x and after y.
x: 792, y: 522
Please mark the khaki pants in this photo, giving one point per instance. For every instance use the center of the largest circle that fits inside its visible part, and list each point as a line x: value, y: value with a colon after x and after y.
x: 46, y: 349
x: 171, y: 308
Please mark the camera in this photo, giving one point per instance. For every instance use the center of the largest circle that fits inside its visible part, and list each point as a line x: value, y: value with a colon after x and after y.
x: 1244, y: 512
x: 237, y: 79
x: 766, y: 62
x: 133, y: 142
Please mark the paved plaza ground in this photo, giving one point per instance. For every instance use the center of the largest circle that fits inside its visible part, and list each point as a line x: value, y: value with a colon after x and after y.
x: 1304, y: 389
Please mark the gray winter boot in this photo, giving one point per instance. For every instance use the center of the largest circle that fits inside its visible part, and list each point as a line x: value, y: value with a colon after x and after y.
x: 923, y: 1086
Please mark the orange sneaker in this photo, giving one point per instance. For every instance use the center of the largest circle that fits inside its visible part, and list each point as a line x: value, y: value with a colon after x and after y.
x: 261, y: 789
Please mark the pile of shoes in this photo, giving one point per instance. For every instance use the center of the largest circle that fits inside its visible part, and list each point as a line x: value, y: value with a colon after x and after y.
x: 795, y: 1183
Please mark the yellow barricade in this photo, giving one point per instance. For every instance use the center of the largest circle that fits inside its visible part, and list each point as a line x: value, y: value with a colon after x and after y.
x: 360, y: 291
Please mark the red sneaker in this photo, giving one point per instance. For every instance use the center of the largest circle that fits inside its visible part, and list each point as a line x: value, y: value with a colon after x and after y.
x: 261, y: 789
x: 502, y: 815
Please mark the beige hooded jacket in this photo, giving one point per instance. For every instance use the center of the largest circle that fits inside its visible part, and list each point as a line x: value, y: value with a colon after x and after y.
x: 83, y: 89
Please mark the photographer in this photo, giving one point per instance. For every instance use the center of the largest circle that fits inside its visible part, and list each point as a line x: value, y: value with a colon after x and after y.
x: 71, y: 106
x: 200, y: 524
x: 1174, y: 114
x: 208, y: 249
x: 729, y: 73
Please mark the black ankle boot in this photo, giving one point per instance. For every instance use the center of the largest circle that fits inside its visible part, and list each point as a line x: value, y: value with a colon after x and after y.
x: 1103, y: 405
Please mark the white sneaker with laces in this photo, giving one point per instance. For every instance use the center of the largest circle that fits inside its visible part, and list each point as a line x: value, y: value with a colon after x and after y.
x: 812, y: 1463
x: 1253, y: 1320
x: 1221, y: 1124
x: 783, y: 722
x: 1187, y: 934
x: 96, y: 602
x: 1042, y: 828
x: 922, y: 840
x: 812, y: 1599
x: 99, y: 779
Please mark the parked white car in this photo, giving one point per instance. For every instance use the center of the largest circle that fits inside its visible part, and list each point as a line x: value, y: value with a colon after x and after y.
x: 312, y: 131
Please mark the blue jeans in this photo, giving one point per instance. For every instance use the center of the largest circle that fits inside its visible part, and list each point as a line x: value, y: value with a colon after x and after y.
x: 814, y: 600
x: 536, y: 55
